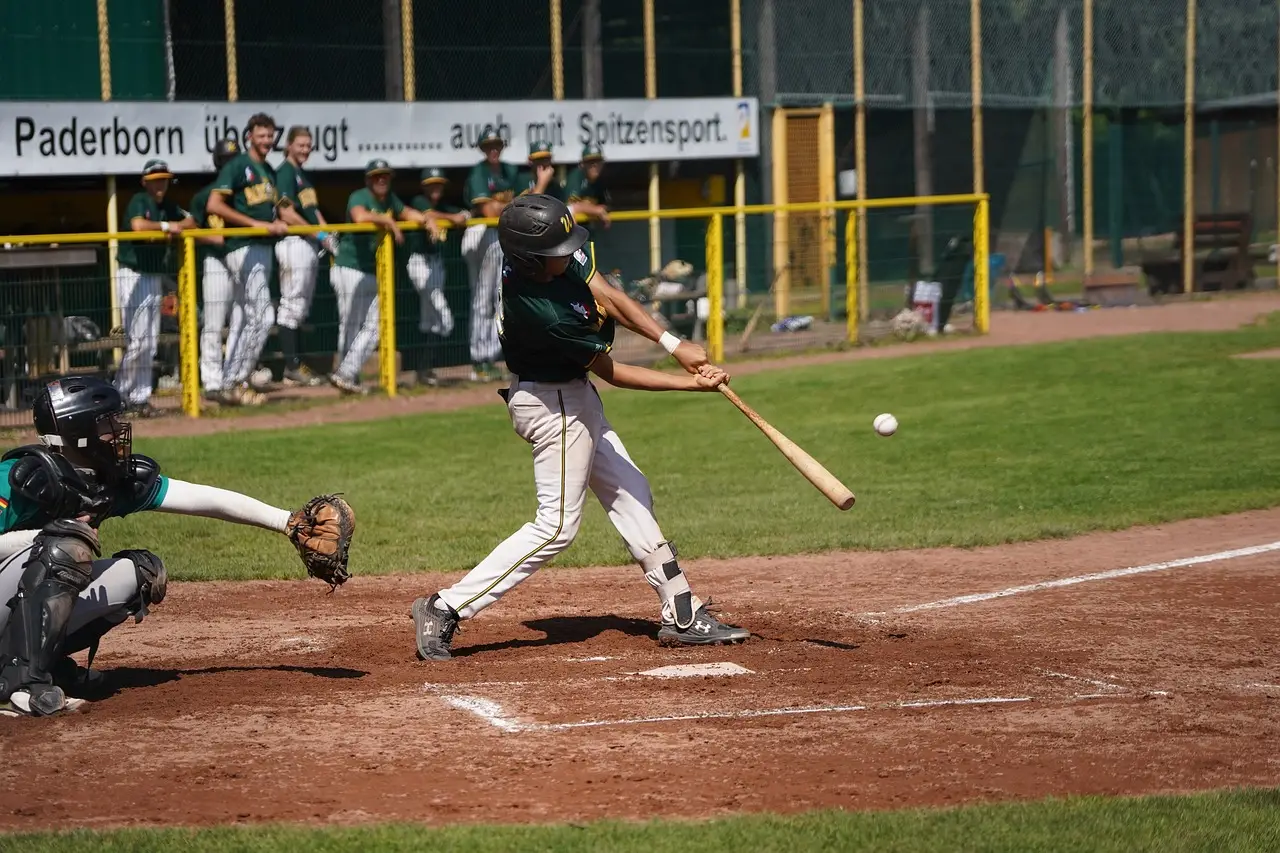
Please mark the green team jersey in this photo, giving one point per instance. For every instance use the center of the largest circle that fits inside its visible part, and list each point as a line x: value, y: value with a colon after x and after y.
x: 528, y: 182
x: 417, y: 242
x: 252, y: 189
x: 295, y: 185
x: 149, y: 257
x: 360, y: 251
x: 551, y: 331
x: 204, y: 219
x: 17, y: 514
x: 578, y: 188
x: 483, y: 185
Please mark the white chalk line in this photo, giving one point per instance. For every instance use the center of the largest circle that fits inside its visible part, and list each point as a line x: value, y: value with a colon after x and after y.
x: 1106, y: 685
x: 594, y: 679
x: 977, y: 598
x: 493, y: 714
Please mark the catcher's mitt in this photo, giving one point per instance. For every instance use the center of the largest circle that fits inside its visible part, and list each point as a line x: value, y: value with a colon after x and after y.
x: 321, y: 531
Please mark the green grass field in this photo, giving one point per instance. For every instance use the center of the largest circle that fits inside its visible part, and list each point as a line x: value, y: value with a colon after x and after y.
x: 1239, y: 821
x: 996, y: 445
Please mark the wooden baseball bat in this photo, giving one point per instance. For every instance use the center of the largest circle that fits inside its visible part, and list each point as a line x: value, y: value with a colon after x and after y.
x: 837, y: 492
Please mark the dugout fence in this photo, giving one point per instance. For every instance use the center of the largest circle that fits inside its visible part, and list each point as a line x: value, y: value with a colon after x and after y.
x: 56, y: 314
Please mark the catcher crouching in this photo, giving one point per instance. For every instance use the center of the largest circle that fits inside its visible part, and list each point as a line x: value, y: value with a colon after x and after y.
x: 58, y: 595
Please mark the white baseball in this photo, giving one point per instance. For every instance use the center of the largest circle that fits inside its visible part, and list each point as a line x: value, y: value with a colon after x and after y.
x: 886, y: 424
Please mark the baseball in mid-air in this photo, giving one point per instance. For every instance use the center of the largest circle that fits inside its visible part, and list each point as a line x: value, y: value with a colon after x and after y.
x: 886, y: 424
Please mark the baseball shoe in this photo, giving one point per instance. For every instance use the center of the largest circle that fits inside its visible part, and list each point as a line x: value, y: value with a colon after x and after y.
x: 426, y: 376
x: 142, y: 411
x: 302, y: 377
x: 242, y: 395
x: 434, y: 628
x: 260, y: 378
x: 345, y: 385
x: 70, y: 675
x: 49, y: 701
x: 706, y: 630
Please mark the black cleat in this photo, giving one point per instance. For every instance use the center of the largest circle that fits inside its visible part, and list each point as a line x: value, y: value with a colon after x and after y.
x: 434, y: 628
x: 706, y: 630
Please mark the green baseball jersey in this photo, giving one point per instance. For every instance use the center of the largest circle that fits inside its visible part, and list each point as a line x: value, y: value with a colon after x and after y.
x: 252, y: 189
x: 17, y: 513
x: 578, y: 188
x: 483, y: 185
x: 528, y: 181
x: 204, y: 219
x: 295, y: 185
x: 149, y: 257
x: 551, y: 331
x: 360, y: 251
x: 417, y: 242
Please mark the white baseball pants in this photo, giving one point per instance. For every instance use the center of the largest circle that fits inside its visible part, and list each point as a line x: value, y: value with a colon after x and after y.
x: 252, y: 314
x: 114, y: 582
x: 574, y: 449
x: 298, y: 262
x: 139, y: 296
x: 427, y: 274
x: 358, y: 318
x: 483, y: 255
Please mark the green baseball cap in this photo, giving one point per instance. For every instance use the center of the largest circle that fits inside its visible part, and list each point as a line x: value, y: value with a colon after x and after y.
x: 378, y: 167
x: 492, y: 138
x: 540, y: 151
x: 433, y: 176
x: 154, y: 170
x: 591, y: 151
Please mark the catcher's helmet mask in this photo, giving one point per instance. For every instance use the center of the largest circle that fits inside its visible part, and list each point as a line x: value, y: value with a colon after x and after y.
x: 83, y: 413
x: 536, y: 227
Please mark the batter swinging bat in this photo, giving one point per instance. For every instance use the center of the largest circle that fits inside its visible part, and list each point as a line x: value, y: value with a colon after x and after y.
x: 837, y: 492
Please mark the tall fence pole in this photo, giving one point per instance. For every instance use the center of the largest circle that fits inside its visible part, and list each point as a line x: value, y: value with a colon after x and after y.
x: 739, y: 173
x: 113, y: 204
x: 1087, y: 138
x: 715, y: 288
x: 1276, y: 170
x: 860, y: 153
x: 188, y: 331
x: 407, y: 52
x: 229, y: 25
x: 975, y: 63
x: 650, y: 93
x: 557, y: 52
x: 1189, y: 155
x: 781, y: 219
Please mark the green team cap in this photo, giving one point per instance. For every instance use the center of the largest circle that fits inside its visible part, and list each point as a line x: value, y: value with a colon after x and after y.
x: 591, y: 151
x: 377, y: 167
x: 540, y: 151
x: 154, y: 170
x: 492, y: 139
x: 433, y: 176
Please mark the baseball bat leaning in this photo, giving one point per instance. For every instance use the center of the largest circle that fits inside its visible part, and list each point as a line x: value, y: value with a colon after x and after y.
x: 823, y: 480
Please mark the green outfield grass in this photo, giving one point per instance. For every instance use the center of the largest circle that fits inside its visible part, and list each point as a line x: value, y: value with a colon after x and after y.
x: 996, y: 445
x: 1239, y: 821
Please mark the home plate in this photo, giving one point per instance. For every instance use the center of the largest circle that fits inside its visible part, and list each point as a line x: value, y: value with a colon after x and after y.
x: 688, y: 670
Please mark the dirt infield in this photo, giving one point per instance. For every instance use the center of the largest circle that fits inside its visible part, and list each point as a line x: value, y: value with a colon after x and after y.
x: 1007, y: 329
x: 272, y: 701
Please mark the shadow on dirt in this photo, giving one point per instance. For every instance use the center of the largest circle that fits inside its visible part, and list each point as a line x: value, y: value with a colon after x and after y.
x: 112, y: 681
x: 563, y: 630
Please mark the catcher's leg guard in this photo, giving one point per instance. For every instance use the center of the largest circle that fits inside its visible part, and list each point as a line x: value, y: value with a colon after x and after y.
x: 665, y: 575
x: 59, y: 567
x: 152, y: 581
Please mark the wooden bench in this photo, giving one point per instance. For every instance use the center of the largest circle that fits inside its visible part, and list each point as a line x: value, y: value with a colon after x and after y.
x: 1226, y: 264
x: 1112, y: 288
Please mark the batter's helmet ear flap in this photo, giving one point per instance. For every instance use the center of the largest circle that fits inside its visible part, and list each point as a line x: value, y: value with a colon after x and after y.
x: 539, y: 226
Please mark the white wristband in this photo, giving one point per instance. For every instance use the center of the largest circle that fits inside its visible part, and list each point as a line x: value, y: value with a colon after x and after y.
x: 164, y: 226
x: 669, y: 342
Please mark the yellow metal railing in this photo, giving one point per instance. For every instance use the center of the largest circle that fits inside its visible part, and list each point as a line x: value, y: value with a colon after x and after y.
x: 856, y: 295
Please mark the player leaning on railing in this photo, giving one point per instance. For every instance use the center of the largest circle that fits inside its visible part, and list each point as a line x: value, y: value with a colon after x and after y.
x: 56, y: 596
x: 426, y: 270
x: 297, y: 256
x: 246, y: 195
x: 354, y: 277
x: 140, y: 282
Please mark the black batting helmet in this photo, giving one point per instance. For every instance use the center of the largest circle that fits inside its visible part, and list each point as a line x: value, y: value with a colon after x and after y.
x: 83, y: 413
x: 538, y: 226
x: 224, y: 152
